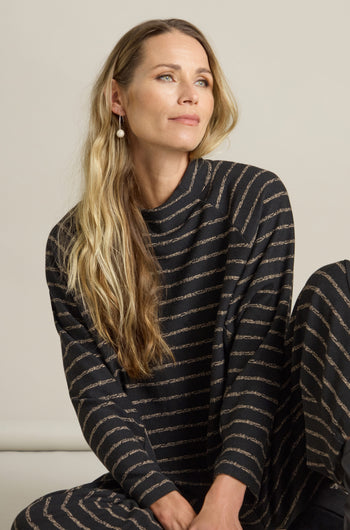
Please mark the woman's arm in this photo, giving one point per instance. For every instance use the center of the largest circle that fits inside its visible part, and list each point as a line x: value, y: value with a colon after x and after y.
x: 221, y: 506
x: 255, y: 336
x: 109, y: 420
x: 255, y: 329
x: 173, y: 511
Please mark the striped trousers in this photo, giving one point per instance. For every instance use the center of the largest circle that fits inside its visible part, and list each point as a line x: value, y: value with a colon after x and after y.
x: 311, y: 427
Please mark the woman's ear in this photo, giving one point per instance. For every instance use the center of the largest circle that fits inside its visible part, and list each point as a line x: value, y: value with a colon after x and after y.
x: 117, y: 99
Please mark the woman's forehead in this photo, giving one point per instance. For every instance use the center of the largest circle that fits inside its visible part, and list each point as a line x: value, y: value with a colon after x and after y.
x: 174, y: 48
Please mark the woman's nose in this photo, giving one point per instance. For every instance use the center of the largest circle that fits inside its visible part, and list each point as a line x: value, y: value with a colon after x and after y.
x: 188, y: 94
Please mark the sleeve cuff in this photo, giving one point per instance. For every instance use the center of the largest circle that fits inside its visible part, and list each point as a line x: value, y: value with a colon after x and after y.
x: 155, y: 492
x: 240, y: 472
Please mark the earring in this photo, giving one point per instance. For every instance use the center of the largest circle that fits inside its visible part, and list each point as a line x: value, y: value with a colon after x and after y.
x: 120, y: 131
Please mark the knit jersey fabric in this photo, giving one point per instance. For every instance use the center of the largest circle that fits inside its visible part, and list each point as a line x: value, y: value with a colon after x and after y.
x: 230, y: 401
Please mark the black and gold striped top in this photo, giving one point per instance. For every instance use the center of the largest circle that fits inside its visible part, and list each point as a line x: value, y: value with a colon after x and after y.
x: 225, y: 241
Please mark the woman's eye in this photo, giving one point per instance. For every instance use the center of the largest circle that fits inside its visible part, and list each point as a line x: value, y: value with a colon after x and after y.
x: 166, y: 77
x: 202, y: 82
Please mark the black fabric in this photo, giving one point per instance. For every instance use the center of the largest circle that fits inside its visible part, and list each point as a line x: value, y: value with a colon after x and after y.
x: 318, y: 518
x: 253, y: 393
x: 326, y: 510
x: 345, y: 470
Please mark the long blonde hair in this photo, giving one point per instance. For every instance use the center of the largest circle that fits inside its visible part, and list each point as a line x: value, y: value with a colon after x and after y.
x: 110, y: 262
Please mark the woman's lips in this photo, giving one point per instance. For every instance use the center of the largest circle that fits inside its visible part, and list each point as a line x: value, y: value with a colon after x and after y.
x: 187, y: 119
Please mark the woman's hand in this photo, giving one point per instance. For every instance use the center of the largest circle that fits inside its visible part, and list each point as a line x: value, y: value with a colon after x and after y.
x: 221, y: 506
x: 173, y: 511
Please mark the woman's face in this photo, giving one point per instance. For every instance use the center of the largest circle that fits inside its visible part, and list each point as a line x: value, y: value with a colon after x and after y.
x: 170, y: 101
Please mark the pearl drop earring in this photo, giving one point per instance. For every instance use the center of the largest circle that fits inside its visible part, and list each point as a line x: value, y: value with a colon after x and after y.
x: 120, y: 131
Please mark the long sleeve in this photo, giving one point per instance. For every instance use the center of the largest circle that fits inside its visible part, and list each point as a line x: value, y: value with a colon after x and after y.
x: 255, y: 334
x: 110, y: 422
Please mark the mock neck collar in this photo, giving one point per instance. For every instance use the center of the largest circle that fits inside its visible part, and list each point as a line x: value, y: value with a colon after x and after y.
x: 184, y: 199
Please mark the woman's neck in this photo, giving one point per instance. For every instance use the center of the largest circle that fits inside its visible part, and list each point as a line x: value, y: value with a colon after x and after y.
x: 157, y: 175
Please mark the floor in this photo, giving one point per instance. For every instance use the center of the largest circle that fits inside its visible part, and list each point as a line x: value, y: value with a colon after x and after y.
x: 25, y: 476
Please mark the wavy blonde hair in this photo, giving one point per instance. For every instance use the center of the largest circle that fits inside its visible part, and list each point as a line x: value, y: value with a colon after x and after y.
x: 110, y: 262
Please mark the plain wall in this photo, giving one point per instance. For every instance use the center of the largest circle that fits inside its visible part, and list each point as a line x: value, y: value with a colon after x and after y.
x: 288, y: 65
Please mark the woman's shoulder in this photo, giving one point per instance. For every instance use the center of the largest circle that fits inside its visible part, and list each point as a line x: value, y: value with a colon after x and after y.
x: 61, y: 235
x: 241, y: 176
x: 241, y: 187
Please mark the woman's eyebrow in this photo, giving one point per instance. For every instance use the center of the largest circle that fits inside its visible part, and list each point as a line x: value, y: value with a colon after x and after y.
x: 173, y: 66
x: 168, y: 65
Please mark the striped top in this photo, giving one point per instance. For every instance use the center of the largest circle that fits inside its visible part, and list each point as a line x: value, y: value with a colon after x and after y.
x: 225, y: 241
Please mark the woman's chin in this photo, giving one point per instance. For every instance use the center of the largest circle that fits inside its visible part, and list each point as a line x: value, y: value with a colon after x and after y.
x: 187, y: 145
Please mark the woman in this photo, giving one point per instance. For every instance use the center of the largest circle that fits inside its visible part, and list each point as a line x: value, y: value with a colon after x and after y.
x: 170, y: 285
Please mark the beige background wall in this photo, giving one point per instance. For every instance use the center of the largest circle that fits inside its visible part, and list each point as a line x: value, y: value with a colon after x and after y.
x: 288, y: 64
